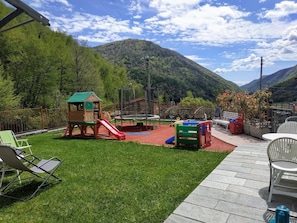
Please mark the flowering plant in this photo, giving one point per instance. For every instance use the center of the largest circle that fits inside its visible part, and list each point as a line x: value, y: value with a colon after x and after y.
x: 254, y: 106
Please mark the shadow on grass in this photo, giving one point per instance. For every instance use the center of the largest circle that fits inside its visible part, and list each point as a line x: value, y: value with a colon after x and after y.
x: 188, y: 148
x: 87, y: 137
x: 22, y: 193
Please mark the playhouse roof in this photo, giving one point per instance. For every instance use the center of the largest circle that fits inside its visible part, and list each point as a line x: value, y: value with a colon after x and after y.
x: 82, y: 96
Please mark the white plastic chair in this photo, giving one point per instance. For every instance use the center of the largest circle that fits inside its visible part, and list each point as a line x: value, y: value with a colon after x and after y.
x: 288, y: 127
x: 291, y: 119
x: 282, y: 155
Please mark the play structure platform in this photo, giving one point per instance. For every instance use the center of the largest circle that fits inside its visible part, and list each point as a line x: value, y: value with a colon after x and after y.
x: 110, y: 131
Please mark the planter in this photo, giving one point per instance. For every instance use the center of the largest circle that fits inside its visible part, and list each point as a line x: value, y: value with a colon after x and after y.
x: 246, y: 129
x: 258, y: 132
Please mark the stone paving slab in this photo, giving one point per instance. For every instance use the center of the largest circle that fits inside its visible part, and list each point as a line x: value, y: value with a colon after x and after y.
x: 236, y: 191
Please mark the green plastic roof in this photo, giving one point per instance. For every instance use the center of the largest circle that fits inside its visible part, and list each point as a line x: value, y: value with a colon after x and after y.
x: 81, y: 97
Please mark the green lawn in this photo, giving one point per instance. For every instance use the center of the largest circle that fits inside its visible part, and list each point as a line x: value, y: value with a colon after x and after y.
x: 111, y: 181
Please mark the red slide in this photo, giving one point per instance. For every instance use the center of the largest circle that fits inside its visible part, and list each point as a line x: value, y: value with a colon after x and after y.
x: 110, y: 127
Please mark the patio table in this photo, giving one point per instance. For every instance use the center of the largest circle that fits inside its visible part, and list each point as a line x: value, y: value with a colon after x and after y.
x: 273, y: 136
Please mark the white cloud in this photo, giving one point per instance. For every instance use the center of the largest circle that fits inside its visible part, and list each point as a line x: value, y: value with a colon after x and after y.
x: 281, y: 10
x: 101, y: 29
x: 135, y: 6
x: 194, y: 57
x: 42, y: 3
x: 273, y: 35
x: 248, y: 63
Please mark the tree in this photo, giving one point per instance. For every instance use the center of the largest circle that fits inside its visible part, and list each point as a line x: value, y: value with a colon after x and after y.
x: 8, y: 100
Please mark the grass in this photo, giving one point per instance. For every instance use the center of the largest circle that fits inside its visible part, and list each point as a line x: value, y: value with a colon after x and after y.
x: 111, y: 181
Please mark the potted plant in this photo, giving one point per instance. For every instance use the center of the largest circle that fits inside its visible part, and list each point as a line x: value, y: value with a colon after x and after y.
x: 254, y: 106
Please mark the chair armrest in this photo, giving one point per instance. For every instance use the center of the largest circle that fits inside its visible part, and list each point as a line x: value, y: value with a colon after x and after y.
x: 23, y: 142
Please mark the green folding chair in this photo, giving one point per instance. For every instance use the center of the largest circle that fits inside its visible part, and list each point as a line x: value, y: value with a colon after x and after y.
x: 7, y: 137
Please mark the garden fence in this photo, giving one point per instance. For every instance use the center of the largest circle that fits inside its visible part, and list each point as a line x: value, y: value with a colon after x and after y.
x: 26, y: 120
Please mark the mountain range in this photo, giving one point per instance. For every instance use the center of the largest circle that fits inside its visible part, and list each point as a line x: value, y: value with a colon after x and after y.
x: 175, y: 75
x: 166, y: 70
x: 282, y: 84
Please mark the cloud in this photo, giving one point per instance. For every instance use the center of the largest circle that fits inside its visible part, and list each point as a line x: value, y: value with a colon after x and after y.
x: 200, y: 23
x: 281, y: 10
x: 41, y: 3
x: 248, y: 63
x: 98, y: 29
x: 291, y: 34
x: 194, y: 57
x: 205, y: 25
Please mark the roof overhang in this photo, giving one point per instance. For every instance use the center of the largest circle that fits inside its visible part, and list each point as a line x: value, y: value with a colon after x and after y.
x: 21, y: 7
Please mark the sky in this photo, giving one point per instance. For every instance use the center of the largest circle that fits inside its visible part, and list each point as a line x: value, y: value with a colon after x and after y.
x: 227, y: 37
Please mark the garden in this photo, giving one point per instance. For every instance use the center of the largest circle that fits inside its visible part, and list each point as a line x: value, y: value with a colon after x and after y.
x: 110, y: 181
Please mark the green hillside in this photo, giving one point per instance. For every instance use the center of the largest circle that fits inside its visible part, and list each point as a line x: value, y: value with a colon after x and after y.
x: 171, y: 73
x: 272, y: 79
x: 42, y: 68
x: 282, y: 84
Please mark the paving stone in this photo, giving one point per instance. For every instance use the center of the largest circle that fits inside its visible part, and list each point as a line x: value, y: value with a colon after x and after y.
x: 244, y: 190
x: 225, y: 179
x: 256, y: 184
x: 237, y: 168
x: 263, y: 172
x: 203, y: 214
x: 201, y: 200
x: 225, y: 172
x: 251, y: 201
x: 249, y: 176
x: 230, y: 163
x: 264, y: 162
x: 213, y: 184
x: 241, y: 160
x: 239, y: 219
x: 173, y: 218
x: 240, y: 210
x: 216, y: 193
x: 256, y: 166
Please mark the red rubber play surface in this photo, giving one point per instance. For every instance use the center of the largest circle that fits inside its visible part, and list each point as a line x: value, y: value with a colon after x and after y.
x: 158, y: 136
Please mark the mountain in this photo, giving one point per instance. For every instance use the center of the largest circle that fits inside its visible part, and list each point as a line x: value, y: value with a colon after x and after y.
x: 285, y: 91
x: 271, y: 80
x: 171, y: 73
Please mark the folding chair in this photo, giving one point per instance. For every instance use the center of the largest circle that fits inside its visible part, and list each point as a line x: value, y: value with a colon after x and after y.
x: 4, y: 168
x: 8, y: 137
x: 282, y: 155
x: 40, y: 168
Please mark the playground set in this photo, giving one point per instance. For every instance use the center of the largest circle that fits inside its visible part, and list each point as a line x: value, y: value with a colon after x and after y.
x: 84, y: 110
x: 191, y: 133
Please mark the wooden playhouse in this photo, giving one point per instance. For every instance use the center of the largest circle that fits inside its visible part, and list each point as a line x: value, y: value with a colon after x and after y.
x: 84, y: 109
